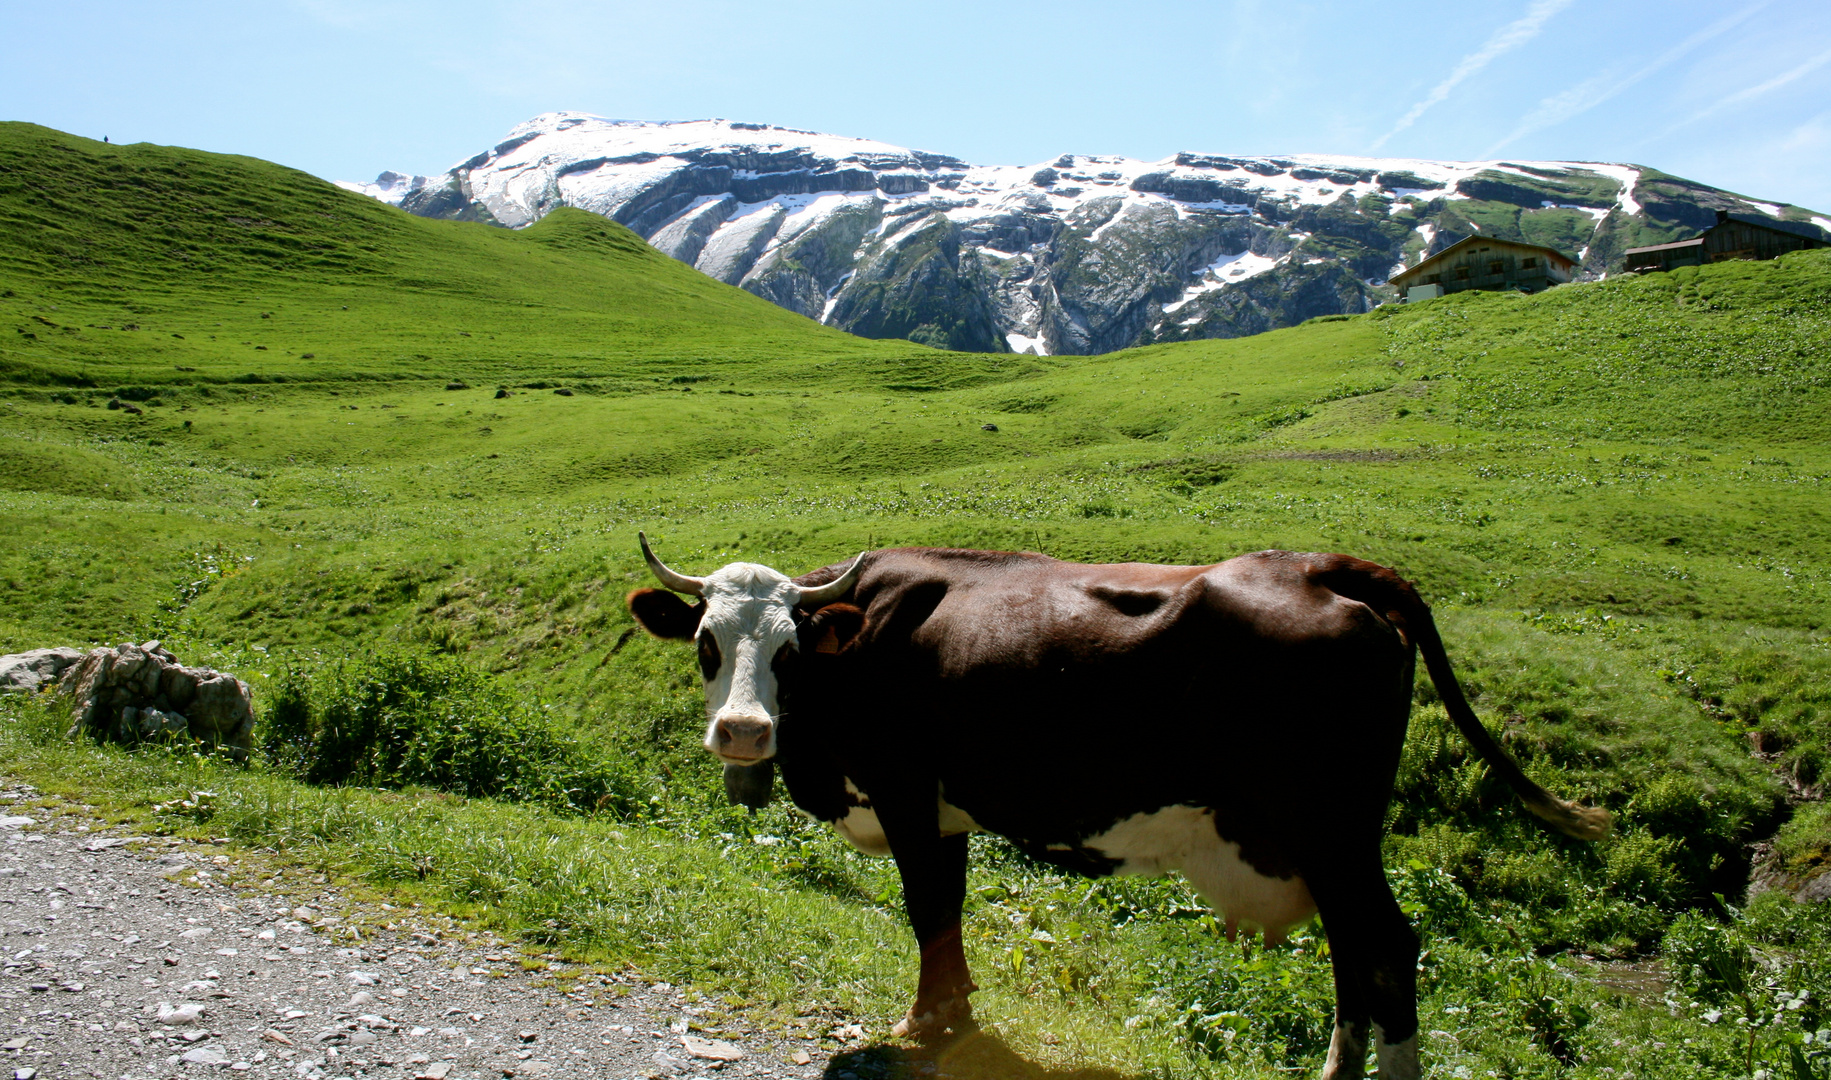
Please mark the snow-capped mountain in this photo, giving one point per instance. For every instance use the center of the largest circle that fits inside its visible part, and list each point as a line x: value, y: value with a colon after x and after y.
x: 1075, y: 255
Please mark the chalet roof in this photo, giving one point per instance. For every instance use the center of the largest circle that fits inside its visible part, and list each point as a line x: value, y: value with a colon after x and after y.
x: 1696, y: 241
x: 1457, y: 248
x: 1800, y: 229
x: 1779, y: 225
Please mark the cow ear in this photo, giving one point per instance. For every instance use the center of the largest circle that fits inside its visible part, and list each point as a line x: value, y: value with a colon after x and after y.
x: 831, y: 629
x: 665, y: 615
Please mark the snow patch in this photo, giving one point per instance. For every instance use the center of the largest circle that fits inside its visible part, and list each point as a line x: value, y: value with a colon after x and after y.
x: 1222, y: 272
x: 389, y: 187
x: 1124, y: 209
x: 1428, y: 230
x: 1625, y: 175
x: 1020, y: 343
x: 832, y: 298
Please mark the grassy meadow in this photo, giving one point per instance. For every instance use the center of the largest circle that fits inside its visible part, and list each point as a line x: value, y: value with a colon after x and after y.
x: 390, y: 471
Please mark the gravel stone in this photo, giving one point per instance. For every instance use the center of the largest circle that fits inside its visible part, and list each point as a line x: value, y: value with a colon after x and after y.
x: 265, y: 953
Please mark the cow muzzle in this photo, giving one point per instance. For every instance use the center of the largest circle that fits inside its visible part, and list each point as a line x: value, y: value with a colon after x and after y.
x: 743, y: 740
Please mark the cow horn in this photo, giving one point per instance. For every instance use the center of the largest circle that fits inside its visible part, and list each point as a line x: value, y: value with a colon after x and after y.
x: 821, y: 595
x: 678, y: 582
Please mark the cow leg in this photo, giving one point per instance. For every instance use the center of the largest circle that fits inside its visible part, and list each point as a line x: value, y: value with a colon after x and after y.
x: 1347, y: 1049
x: 1392, y: 983
x: 1395, y: 992
x: 1375, y: 955
x: 1353, y: 1014
x: 933, y: 869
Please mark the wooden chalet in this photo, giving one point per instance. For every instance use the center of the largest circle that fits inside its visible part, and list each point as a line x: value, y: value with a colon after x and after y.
x: 1485, y: 262
x: 1734, y: 236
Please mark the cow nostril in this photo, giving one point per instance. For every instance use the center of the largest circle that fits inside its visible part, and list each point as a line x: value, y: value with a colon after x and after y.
x: 748, y: 733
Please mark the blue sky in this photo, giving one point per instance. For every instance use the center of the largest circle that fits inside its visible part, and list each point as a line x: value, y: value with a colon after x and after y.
x: 1729, y: 93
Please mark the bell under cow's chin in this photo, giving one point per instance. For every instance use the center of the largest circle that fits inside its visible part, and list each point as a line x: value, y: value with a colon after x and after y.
x: 750, y: 785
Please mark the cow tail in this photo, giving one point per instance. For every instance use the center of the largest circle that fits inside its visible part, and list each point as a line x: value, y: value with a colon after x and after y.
x: 1396, y: 599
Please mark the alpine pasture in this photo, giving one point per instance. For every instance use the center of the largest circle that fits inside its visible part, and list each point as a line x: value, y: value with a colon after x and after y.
x: 390, y: 471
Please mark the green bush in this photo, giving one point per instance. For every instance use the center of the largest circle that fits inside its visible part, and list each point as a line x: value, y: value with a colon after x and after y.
x: 1709, y: 960
x: 400, y: 719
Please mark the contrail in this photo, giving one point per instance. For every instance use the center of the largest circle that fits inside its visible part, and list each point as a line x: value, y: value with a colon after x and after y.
x: 1506, y: 39
x: 1749, y: 94
x: 1593, y: 92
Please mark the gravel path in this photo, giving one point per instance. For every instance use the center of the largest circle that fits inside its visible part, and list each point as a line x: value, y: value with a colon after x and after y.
x: 154, y: 957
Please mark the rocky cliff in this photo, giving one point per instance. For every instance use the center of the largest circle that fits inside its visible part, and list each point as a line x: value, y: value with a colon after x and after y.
x: 1078, y: 255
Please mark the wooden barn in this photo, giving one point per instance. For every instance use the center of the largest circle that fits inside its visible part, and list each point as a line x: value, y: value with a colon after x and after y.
x: 1734, y: 236
x: 1484, y: 262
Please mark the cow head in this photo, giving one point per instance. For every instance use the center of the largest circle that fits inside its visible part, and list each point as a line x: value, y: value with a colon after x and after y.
x: 745, y: 628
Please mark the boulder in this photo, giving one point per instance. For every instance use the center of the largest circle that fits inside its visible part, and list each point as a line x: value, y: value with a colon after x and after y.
x: 28, y: 671
x: 133, y: 694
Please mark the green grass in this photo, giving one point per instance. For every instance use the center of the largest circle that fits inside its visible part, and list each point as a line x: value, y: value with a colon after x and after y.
x: 1614, y: 494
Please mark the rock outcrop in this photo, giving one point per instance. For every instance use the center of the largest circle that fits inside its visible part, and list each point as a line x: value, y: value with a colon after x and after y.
x: 27, y: 672
x: 1080, y: 255
x: 133, y: 694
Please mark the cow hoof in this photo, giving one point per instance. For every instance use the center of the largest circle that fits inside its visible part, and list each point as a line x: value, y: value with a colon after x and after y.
x: 932, y: 1024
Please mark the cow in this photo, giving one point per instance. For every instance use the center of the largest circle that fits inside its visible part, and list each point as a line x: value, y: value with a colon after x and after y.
x: 1240, y: 722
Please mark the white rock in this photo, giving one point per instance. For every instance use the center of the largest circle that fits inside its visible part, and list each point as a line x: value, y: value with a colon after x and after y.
x: 203, y: 1055
x: 711, y: 1049
x: 16, y: 822
x: 175, y: 1015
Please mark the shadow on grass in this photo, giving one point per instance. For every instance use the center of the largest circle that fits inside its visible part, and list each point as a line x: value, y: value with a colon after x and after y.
x: 976, y: 1054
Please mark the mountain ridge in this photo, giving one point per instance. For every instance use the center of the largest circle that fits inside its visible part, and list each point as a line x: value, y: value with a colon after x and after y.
x: 1083, y: 254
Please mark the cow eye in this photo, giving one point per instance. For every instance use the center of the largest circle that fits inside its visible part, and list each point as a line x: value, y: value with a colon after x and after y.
x: 709, y: 657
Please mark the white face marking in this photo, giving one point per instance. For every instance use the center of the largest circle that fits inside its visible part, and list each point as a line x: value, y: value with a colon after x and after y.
x: 1183, y: 838
x: 749, y: 616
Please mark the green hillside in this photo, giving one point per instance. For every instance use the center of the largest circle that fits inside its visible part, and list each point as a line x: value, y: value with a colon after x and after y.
x: 259, y: 417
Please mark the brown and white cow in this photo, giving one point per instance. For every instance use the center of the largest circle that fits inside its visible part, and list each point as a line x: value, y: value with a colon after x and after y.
x: 1240, y: 722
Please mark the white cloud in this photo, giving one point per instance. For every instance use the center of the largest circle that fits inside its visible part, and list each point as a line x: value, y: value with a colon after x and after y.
x: 1592, y: 92
x: 1506, y: 39
x: 1750, y: 93
x: 1814, y: 134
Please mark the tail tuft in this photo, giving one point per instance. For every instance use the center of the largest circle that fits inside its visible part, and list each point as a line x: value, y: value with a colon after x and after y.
x: 1579, y: 822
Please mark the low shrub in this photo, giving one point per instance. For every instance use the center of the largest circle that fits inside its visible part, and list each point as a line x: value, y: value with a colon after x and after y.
x: 397, y: 719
